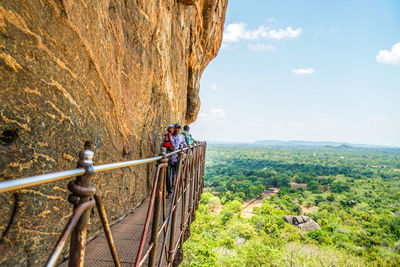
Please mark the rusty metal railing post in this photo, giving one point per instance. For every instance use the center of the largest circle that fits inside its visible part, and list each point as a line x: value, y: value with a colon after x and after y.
x: 82, y: 191
x: 197, y: 181
x: 201, y: 176
x: 175, y: 205
x: 178, y: 247
x: 194, y: 182
x: 203, y: 166
x: 157, y: 209
x: 184, y: 193
x: 191, y: 188
x: 106, y: 227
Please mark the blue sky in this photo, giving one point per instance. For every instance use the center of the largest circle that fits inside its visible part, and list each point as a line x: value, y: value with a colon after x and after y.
x: 305, y: 70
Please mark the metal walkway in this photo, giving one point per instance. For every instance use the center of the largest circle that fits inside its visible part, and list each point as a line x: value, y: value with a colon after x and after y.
x: 127, y: 236
x: 152, y: 235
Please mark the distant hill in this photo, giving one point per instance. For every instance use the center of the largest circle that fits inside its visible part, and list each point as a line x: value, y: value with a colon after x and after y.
x: 297, y: 143
x: 303, y: 144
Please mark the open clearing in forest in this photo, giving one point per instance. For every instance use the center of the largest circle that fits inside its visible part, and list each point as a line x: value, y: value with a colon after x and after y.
x: 294, y: 185
x: 306, y: 209
x: 247, y: 211
x: 216, y: 210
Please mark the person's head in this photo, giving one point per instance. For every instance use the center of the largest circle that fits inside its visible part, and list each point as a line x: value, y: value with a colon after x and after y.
x: 177, y: 128
x: 170, y: 128
x: 186, y: 128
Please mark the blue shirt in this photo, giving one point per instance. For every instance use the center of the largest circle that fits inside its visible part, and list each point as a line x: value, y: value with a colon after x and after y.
x: 188, y: 137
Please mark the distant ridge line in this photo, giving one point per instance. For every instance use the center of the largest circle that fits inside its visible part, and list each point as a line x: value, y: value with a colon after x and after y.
x: 302, y: 143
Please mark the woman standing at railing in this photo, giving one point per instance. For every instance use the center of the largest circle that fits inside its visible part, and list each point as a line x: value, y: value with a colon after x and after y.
x: 177, y: 140
x: 168, y: 143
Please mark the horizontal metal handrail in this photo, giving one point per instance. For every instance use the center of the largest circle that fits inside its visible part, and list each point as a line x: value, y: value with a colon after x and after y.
x: 189, y: 168
x: 20, y: 183
x: 118, y: 165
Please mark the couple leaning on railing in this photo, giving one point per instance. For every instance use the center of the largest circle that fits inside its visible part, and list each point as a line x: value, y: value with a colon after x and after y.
x: 173, y: 140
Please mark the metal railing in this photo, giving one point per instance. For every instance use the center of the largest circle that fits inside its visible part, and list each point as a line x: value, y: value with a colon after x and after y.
x: 86, y: 195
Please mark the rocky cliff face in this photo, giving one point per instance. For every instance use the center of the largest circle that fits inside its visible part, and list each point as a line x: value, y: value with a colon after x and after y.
x: 112, y: 72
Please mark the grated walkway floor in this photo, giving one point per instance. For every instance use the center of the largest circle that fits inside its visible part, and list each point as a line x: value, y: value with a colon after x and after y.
x: 126, y: 235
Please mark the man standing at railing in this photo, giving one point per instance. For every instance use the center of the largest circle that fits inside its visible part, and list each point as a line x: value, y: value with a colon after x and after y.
x: 178, y: 139
x: 188, y: 136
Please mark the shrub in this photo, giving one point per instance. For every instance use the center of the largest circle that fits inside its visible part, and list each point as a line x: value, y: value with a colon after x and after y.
x: 234, y: 205
x: 320, y: 236
x: 228, y: 242
x: 205, y: 197
x: 330, y: 197
x: 239, y: 229
x: 226, y: 216
x: 214, y: 203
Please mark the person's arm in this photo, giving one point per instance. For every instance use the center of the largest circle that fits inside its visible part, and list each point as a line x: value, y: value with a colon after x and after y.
x: 171, y: 141
x: 186, y: 140
x: 191, y: 139
x: 183, y: 142
x: 187, y: 136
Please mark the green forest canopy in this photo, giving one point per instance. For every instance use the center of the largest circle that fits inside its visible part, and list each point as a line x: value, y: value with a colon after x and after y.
x: 355, y: 193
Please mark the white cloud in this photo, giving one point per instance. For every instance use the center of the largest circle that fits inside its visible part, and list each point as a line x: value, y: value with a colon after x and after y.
x: 236, y: 31
x: 379, y: 118
x: 213, y: 87
x: 277, y: 125
x: 218, y: 113
x: 296, y: 124
x: 390, y: 57
x: 286, y: 33
x: 261, y: 47
x: 257, y: 123
x: 302, y: 71
x: 287, y: 125
x: 273, y: 20
x: 203, y: 116
x: 228, y: 46
x: 215, y: 114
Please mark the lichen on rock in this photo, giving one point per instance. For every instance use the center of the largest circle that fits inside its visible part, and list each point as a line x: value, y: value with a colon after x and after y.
x: 111, y: 72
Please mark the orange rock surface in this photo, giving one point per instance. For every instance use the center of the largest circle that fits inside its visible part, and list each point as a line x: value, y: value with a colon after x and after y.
x: 111, y: 72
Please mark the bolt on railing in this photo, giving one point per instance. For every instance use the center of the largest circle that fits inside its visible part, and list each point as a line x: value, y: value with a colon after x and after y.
x: 85, y: 195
